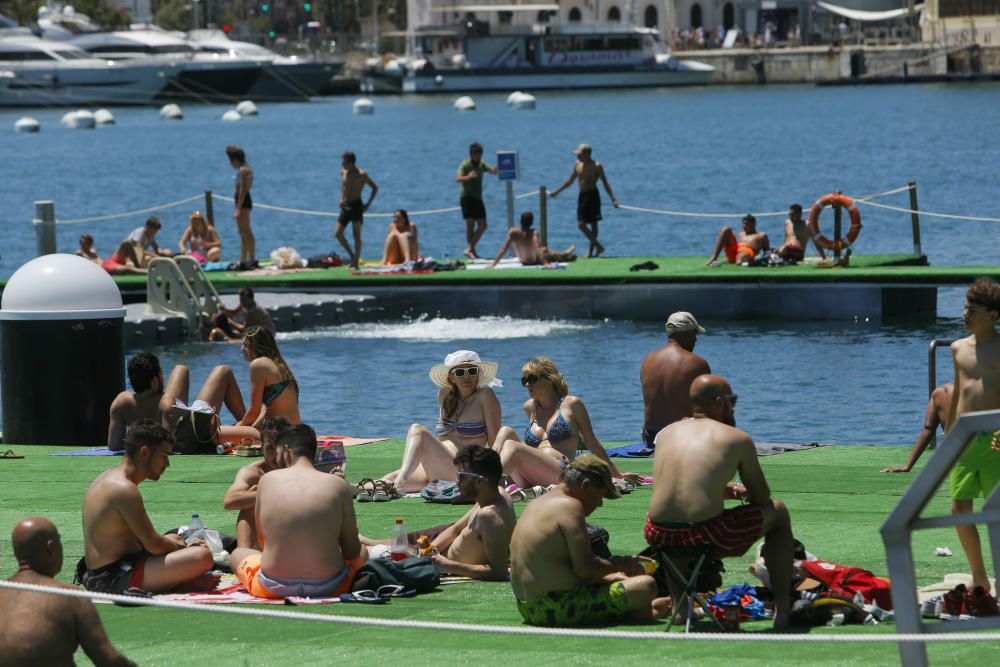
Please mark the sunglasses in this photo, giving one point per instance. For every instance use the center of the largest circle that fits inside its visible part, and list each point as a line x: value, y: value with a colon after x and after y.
x: 460, y: 372
x: 529, y: 379
x: 469, y: 475
x: 732, y: 398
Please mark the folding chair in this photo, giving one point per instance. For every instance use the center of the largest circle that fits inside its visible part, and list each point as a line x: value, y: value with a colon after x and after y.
x: 693, y: 559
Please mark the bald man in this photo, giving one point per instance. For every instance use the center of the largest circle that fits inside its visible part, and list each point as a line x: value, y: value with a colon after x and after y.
x: 42, y: 628
x: 693, y: 468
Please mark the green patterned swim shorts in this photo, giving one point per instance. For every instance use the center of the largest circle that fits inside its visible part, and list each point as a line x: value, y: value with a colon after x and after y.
x: 586, y: 605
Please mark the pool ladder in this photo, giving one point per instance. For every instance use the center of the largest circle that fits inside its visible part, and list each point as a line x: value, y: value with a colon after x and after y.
x: 178, y: 286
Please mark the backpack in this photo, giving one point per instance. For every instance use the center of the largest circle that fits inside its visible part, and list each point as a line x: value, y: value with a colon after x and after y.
x: 444, y: 491
x: 845, y: 580
x: 330, y: 456
x: 418, y: 574
x: 821, y: 609
x: 196, y: 432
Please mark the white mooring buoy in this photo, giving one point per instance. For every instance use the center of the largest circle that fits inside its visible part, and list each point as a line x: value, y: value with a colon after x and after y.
x: 231, y: 116
x: 104, y: 117
x: 247, y: 108
x: 363, y: 107
x: 171, y: 112
x: 465, y: 103
x: 80, y: 119
x: 27, y: 124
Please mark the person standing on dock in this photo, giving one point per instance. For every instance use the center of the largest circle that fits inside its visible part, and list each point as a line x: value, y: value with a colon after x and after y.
x: 666, y: 376
x: 797, y: 235
x: 470, y: 178
x: 244, y: 204
x: 977, y: 387
x: 352, y: 209
x: 586, y: 172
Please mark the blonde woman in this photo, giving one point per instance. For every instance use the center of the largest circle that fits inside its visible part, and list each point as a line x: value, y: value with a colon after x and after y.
x: 468, y: 414
x: 557, y: 423
x: 273, y: 389
x: 200, y: 240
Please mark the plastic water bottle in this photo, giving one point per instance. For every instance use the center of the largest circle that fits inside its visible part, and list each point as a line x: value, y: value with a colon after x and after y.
x: 399, y: 549
x: 195, y: 530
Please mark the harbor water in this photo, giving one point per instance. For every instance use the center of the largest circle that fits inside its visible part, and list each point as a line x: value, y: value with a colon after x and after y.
x: 716, y: 149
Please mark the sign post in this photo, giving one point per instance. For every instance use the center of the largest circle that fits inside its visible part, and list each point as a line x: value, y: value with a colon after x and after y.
x: 508, y: 170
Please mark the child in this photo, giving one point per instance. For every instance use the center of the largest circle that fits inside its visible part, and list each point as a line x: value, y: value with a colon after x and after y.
x: 86, y: 249
x: 977, y: 387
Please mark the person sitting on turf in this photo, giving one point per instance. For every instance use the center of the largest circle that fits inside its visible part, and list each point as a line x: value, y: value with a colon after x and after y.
x: 528, y: 246
x: 41, y: 628
x: 401, y: 243
x: 557, y: 579
x: 666, y: 375
x: 468, y: 414
x: 694, y: 464
x: 86, y: 249
x: 143, y: 240
x: 742, y: 249
x: 122, y: 550
x: 242, y: 495
x: 274, y: 392
x: 200, y: 240
x: 305, y: 519
x: 124, y: 260
x: 797, y: 234
x: 557, y: 422
x: 151, y: 399
x: 937, y: 415
x: 476, y: 545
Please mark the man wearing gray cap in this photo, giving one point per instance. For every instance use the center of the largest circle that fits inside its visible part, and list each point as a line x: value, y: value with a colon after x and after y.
x: 667, y: 373
x: 587, y: 171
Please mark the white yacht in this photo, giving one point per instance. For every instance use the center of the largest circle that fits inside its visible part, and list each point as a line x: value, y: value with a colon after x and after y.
x: 475, y: 56
x: 50, y: 73
x: 206, y: 77
x: 283, y: 77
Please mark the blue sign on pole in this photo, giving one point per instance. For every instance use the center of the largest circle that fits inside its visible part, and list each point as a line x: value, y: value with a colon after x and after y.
x: 507, y: 166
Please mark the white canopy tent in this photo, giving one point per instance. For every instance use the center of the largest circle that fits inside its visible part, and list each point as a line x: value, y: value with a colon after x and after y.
x: 862, y: 15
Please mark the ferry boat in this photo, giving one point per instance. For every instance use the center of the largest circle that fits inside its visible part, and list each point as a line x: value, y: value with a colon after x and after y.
x: 476, y: 56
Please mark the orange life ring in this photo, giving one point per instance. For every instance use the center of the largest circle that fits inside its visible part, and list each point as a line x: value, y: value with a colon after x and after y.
x: 837, y: 199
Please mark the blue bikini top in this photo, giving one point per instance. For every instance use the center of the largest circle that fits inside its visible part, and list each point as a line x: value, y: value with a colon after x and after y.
x: 558, y: 432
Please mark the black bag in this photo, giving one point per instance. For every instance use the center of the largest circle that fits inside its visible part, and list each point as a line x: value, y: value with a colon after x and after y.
x: 196, y: 432
x: 418, y: 574
x: 599, y: 538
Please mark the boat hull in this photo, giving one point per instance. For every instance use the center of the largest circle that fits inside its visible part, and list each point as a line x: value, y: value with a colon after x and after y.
x: 66, y: 86
x: 467, y: 81
x: 300, y: 81
x: 200, y: 82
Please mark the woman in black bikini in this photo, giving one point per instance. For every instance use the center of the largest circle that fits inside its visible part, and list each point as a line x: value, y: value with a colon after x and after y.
x: 244, y: 204
x: 557, y: 423
x: 273, y: 389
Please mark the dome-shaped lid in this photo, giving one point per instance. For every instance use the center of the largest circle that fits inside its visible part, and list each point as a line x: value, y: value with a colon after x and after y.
x: 61, y: 287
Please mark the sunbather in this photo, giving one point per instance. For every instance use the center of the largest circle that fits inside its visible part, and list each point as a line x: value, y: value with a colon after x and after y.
x: 557, y: 422
x: 273, y: 389
x: 468, y: 414
x: 401, y: 243
x: 528, y: 246
x: 242, y: 495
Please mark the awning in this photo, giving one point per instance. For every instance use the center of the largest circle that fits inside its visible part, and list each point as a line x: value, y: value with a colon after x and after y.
x: 861, y: 15
x: 497, y: 8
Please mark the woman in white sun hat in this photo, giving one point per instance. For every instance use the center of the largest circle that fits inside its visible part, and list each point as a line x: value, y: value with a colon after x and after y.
x: 468, y: 414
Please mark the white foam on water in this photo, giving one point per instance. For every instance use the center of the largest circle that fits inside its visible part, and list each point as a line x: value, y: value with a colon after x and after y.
x: 426, y: 328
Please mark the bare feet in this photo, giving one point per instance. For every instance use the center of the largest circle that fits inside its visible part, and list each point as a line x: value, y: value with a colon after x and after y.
x: 711, y: 262
x: 200, y: 584
x: 600, y: 249
x: 662, y: 607
x: 470, y: 253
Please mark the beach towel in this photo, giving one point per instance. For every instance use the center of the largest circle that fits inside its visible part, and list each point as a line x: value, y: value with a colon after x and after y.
x: 509, y: 263
x: 640, y: 451
x: 93, y: 451
x: 237, y: 594
x: 348, y: 441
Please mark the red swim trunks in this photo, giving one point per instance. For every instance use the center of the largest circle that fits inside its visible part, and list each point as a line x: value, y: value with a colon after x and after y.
x: 730, y: 534
x: 112, y: 265
x: 734, y: 249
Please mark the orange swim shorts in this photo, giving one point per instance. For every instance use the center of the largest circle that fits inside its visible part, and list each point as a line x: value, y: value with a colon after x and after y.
x: 734, y: 249
x: 248, y: 573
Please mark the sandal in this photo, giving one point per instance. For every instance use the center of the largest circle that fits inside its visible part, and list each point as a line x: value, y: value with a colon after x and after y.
x: 385, y: 491
x: 9, y: 454
x: 517, y: 495
x: 365, y: 491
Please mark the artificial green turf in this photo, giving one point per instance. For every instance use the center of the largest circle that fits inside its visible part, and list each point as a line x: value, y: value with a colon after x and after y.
x: 837, y: 497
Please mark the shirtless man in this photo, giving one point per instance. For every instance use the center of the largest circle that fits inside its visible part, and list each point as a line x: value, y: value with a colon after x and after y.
x: 306, y: 523
x: 470, y: 179
x: 86, y: 249
x: 693, y: 468
x: 528, y: 247
x: 797, y: 235
x: 242, y: 495
x: 742, y: 249
x: 352, y: 210
x: 122, y: 550
x: 977, y: 387
x: 938, y: 406
x: 586, y: 172
x: 253, y: 314
x: 150, y: 399
x: 46, y: 629
x: 666, y: 375
x: 557, y: 579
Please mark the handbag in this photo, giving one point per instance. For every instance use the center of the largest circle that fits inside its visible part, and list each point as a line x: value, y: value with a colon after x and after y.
x: 417, y: 574
x: 196, y: 432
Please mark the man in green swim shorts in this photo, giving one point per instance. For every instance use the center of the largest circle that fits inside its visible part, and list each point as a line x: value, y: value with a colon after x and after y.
x: 977, y: 387
x: 557, y: 579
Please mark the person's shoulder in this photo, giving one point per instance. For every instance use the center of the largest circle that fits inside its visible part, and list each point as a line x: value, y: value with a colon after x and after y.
x: 572, y: 401
x: 967, y: 341
x: 123, y: 399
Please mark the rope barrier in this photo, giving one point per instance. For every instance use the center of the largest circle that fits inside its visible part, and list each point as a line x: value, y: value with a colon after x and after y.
x: 128, y: 214
x: 929, y: 214
x: 504, y: 629
x: 336, y: 214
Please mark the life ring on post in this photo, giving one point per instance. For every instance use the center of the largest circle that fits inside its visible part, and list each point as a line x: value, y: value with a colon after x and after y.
x: 835, y: 199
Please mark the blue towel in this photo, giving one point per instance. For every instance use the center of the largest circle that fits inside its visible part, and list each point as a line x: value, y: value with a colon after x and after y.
x: 636, y: 451
x: 94, y: 451
x: 216, y: 266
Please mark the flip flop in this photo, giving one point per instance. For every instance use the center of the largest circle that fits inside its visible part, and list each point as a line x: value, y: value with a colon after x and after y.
x: 9, y: 454
x: 364, y: 597
x: 517, y: 495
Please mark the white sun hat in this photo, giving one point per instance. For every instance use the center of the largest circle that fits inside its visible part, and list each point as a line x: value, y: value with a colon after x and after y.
x: 487, y: 369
